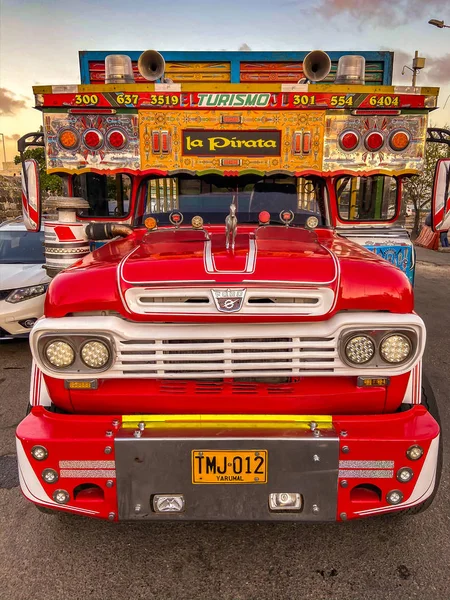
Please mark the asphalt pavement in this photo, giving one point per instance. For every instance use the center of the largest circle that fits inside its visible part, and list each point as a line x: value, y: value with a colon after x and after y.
x: 49, y: 557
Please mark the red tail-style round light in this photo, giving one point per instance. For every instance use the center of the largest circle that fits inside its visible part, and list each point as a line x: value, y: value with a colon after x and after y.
x: 264, y: 217
x: 348, y: 140
x: 399, y: 140
x: 116, y: 139
x: 374, y: 141
x: 93, y: 139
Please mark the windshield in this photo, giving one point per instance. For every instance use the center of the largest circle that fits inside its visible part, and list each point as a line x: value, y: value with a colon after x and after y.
x: 210, y: 197
x: 21, y: 247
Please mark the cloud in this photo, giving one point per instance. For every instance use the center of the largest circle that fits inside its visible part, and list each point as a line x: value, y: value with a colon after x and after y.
x: 10, y: 103
x: 13, y: 138
x: 438, y: 71
x: 244, y: 47
x: 381, y: 12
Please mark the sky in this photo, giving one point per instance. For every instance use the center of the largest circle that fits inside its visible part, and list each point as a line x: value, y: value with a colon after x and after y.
x: 39, y: 41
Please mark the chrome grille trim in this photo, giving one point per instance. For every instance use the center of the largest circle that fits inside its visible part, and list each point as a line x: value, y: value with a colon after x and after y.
x: 226, y: 350
x: 199, y: 301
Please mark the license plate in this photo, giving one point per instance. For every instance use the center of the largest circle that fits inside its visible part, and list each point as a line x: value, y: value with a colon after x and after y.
x: 229, y: 466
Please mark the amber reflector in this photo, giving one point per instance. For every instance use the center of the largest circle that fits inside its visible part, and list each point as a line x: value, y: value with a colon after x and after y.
x: 68, y: 139
x: 150, y: 223
x: 399, y: 140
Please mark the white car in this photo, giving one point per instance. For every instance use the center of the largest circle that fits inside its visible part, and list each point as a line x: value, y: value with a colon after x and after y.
x: 23, y: 281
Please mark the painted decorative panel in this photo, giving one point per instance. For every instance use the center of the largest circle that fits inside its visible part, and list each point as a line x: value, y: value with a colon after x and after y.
x: 84, y: 142
x: 370, y: 143
x: 263, y: 141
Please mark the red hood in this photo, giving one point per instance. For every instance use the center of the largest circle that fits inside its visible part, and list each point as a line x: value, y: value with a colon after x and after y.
x: 271, y: 256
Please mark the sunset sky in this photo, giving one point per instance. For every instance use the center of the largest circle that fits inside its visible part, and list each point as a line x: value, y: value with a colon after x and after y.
x: 40, y: 40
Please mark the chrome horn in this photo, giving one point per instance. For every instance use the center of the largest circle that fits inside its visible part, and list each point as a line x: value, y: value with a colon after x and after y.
x: 316, y: 65
x: 151, y: 65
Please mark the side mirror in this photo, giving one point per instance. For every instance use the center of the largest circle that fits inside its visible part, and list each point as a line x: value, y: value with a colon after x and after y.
x: 31, y: 195
x: 440, y: 204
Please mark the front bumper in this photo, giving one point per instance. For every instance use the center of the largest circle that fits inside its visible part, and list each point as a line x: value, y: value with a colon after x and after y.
x: 112, y: 467
x: 12, y: 314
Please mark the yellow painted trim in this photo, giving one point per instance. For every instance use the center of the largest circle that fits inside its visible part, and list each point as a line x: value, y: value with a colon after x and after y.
x: 238, y: 87
x: 234, y: 421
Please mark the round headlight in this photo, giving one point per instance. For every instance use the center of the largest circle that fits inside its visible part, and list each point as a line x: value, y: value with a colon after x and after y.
x: 359, y: 349
x: 95, y: 354
x: 395, y: 348
x: 60, y: 354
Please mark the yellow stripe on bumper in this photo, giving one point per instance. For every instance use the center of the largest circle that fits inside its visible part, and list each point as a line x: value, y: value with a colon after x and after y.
x: 234, y: 421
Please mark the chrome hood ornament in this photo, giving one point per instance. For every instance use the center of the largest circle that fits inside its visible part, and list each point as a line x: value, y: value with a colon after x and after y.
x: 231, y: 226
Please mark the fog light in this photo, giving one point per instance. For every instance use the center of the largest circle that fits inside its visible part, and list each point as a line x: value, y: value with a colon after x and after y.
x: 60, y: 354
x: 61, y: 496
x: 394, y: 497
x: 95, y: 354
x: 285, y: 501
x: 405, y: 474
x: 172, y: 503
x: 39, y: 452
x: 27, y: 323
x: 414, y: 452
x: 50, y: 475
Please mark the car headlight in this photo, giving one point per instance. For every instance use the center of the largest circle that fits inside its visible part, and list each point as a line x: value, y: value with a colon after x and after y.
x: 26, y: 293
x: 60, y: 354
x: 95, y: 354
x: 395, y: 348
x: 359, y: 349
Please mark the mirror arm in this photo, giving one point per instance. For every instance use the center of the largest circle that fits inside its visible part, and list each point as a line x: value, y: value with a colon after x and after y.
x: 35, y: 138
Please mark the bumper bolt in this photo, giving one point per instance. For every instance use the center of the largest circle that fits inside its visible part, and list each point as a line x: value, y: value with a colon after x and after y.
x: 115, y: 423
x: 344, y: 483
x: 137, y: 508
x: 137, y: 433
x: 315, y: 509
x: 345, y: 449
x: 112, y: 516
x: 343, y: 516
x: 344, y: 434
x: 316, y: 458
x: 109, y: 483
x: 316, y: 433
x: 109, y: 434
x: 108, y: 450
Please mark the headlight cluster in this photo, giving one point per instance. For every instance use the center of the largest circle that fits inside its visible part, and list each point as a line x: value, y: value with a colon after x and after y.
x: 26, y: 293
x: 91, y: 353
x: 393, y: 348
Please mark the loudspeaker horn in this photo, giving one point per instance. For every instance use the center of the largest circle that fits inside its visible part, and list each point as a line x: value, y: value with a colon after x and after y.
x: 151, y: 65
x: 316, y: 65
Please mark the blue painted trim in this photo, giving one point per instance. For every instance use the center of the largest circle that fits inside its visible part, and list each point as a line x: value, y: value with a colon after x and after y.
x: 235, y: 58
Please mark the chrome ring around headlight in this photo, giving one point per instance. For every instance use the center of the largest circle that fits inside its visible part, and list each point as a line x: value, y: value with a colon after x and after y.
x: 76, y: 342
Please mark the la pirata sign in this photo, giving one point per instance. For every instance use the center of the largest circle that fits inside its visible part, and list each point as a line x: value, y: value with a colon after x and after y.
x: 231, y: 143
